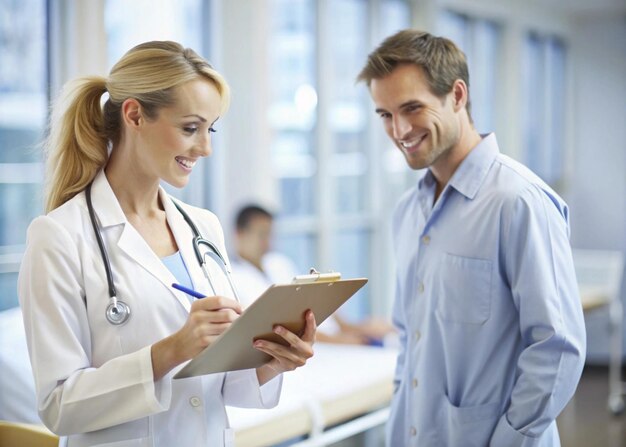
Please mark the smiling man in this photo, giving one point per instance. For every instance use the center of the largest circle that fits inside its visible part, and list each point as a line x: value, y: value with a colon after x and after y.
x: 492, y: 331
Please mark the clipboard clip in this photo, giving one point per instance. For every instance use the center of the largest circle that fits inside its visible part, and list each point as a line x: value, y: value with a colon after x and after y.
x: 315, y: 276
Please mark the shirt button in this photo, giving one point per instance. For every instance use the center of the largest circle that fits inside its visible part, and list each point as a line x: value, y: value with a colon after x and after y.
x: 417, y: 335
x: 420, y: 287
x: 426, y: 239
x: 195, y: 401
x: 413, y: 431
x: 414, y: 383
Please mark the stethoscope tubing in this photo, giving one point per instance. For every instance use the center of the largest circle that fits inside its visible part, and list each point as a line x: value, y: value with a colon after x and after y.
x: 103, y: 251
x: 117, y: 311
x: 199, y: 241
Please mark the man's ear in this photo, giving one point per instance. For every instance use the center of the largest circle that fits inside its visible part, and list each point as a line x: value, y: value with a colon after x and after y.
x: 132, y: 113
x: 459, y: 94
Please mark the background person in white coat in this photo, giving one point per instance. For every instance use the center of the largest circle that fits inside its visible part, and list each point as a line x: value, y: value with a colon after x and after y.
x: 102, y: 383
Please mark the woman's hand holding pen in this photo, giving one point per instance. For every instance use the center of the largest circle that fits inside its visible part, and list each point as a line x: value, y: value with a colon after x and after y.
x: 208, y: 318
x: 287, y: 358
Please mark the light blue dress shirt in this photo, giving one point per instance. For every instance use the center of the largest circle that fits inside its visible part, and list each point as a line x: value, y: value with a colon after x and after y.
x: 487, y: 305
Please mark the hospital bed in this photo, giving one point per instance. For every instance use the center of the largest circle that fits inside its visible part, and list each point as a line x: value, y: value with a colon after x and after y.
x: 599, y: 275
x: 343, y: 390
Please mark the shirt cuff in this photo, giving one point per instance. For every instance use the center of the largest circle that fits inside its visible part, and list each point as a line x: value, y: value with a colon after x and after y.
x: 270, y: 391
x: 158, y: 394
x: 242, y: 389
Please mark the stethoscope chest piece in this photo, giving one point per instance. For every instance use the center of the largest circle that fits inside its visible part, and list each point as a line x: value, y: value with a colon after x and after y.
x: 117, y: 312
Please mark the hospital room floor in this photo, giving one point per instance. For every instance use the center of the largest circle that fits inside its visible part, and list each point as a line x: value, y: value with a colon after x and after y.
x: 586, y: 421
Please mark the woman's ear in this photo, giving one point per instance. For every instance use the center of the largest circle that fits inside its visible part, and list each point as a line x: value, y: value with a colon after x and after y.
x: 131, y: 113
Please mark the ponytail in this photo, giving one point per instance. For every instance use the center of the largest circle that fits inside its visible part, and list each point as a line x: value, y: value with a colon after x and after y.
x: 77, y: 146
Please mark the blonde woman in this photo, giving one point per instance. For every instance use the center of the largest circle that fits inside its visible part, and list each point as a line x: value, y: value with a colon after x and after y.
x: 105, y: 329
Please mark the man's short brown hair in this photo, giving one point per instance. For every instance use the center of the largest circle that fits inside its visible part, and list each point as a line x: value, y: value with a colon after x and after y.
x: 442, y: 61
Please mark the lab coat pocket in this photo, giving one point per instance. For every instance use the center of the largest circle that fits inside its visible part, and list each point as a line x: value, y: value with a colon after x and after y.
x: 229, y: 437
x: 464, y: 289
x: 471, y: 426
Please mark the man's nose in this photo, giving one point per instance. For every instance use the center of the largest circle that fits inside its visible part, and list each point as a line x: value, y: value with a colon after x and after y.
x: 401, y: 127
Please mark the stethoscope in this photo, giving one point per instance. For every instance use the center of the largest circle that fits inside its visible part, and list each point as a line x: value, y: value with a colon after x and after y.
x: 117, y: 311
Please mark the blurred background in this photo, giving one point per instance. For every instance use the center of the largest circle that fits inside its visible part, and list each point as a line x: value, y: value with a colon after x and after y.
x: 548, y: 76
x: 302, y: 138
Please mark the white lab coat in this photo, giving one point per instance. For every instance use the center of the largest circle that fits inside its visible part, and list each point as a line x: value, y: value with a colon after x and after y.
x: 93, y: 379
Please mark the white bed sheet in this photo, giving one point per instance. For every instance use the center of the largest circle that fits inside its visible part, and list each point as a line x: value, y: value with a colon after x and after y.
x: 334, y: 373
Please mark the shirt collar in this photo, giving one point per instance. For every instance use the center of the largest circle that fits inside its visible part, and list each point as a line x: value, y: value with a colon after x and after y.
x: 471, y: 173
x: 427, y: 181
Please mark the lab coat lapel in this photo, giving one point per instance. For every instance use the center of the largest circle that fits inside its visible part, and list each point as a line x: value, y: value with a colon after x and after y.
x: 138, y: 249
x: 184, y: 239
x: 109, y: 214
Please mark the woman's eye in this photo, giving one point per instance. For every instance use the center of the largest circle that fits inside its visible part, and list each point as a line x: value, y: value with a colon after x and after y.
x: 212, y: 129
x: 190, y: 130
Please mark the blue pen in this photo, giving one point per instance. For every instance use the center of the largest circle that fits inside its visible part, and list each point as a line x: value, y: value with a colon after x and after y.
x: 188, y: 291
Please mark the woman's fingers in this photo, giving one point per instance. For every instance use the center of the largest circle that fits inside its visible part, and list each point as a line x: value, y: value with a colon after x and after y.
x: 215, y: 303
x: 298, y: 351
x: 311, y: 327
x: 308, y: 336
x: 284, y: 358
x: 209, y: 318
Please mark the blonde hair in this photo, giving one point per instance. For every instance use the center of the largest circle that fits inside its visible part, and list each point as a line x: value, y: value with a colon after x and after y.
x: 442, y: 61
x: 82, y: 131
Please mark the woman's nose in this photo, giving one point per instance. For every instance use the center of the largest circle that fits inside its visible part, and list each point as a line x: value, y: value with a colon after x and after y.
x: 205, y: 147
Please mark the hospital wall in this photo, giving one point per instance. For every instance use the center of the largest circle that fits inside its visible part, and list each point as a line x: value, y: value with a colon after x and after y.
x: 597, y: 189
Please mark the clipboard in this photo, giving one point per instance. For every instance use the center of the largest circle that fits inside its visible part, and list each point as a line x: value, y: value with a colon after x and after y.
x: 283, y: 304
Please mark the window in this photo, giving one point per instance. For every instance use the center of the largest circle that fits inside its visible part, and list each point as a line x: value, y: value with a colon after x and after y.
x: 23, y: 115
x: 292, y: 112
x: 347, y: 167
x: 544, y: 105
x: 478, y: 38
x: 180, y: 21
x: 327, y: 157
x: 292, y: 117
